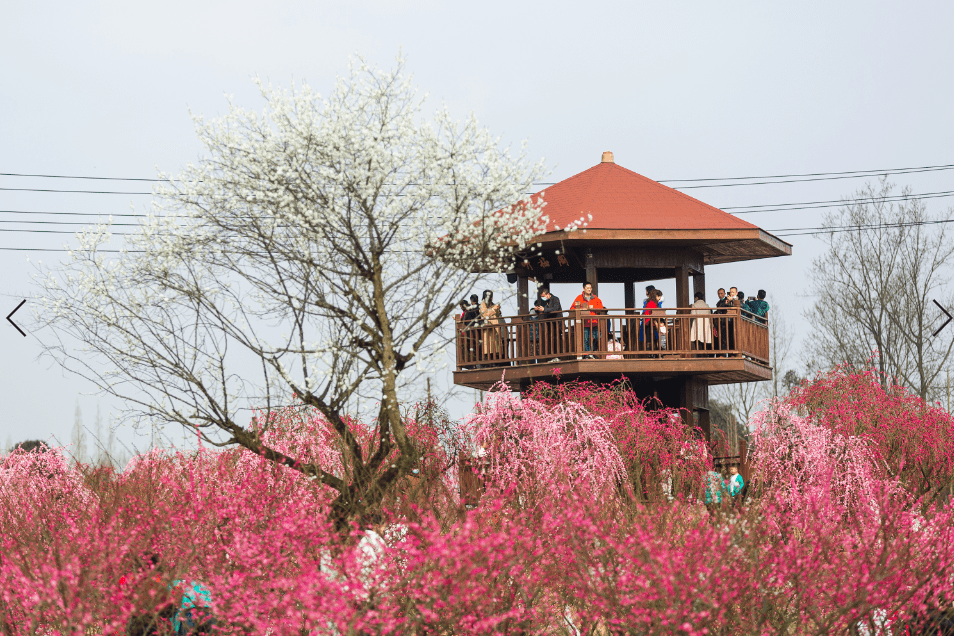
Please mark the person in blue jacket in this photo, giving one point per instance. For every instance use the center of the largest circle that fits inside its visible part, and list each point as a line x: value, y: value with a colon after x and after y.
x: 715, y: 486
x: 735, y: 482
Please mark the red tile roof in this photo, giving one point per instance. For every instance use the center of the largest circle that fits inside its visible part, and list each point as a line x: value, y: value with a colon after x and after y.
x: 622, y: 199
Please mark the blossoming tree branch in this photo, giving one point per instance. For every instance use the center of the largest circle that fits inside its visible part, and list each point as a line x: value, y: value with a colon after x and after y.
x: 314, y: 252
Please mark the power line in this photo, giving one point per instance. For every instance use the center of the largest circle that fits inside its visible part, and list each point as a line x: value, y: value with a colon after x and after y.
x: 811, y: 205
x: 868, y: 173
x: 804, y: 231
x: 70, y: 213
x: 856, y: 200
x: 773, y: 182
x: 84, y: 223
x: 63, y: 176
x: 70, y: 191
x: 738, y: 209
x: 752, y: 180
x: 800, y: 231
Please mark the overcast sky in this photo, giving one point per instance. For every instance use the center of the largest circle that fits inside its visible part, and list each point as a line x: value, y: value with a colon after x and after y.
x: 675, y: 90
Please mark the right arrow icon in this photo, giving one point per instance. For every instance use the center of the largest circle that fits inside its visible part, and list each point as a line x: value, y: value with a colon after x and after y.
x: 949, y: 317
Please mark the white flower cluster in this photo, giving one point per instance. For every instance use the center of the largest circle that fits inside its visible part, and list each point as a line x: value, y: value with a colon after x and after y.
x: 322, y: 243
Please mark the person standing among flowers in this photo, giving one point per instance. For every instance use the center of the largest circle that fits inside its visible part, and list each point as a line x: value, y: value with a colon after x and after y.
x: 735, y: 482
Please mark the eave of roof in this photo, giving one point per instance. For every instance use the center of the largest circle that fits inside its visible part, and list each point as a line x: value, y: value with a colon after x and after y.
x: 630, y: 209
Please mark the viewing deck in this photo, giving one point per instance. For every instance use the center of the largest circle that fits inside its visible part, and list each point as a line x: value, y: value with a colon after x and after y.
x: 668, y: 344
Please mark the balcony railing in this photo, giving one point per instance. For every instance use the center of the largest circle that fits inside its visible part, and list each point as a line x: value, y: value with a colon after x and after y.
x: 613, y: 334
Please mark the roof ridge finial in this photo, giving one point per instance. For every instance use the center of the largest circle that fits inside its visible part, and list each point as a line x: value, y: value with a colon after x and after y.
x: 607, y: 157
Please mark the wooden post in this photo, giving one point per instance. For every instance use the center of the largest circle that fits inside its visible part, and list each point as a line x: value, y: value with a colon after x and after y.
x: 694, y: 398
x: 699, y: 285
x: 686, y: 402
x: 591, y: 273
x: 629, y: 294
x: 744, y: 469
x: 733, y: 434
x: 682, y: 286
x: 682, y: 301
x: 523, y: 298
x: 578, y: 331
x: 704, y: 424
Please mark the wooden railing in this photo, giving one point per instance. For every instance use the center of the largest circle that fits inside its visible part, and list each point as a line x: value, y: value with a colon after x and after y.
x: 613, y: 334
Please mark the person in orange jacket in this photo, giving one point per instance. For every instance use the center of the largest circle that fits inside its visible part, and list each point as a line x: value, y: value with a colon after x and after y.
x: 591, y: 330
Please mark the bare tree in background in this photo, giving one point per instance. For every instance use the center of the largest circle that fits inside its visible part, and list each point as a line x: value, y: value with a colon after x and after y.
x: 78, y: 438
x: 323, y: 246
x: 781, y: 337
x: 886, y: 260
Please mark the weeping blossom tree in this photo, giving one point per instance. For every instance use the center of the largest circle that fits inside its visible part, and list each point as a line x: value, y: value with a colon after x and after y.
x: 316, y: 253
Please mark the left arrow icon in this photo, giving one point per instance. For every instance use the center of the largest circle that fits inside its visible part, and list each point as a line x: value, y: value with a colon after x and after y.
x: 13, y: 323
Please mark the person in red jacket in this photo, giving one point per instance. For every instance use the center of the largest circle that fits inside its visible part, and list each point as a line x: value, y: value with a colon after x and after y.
x: 591, y: 330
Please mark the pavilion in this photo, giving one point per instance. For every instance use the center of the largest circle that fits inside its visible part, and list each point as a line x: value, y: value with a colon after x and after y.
x: 640, y: 231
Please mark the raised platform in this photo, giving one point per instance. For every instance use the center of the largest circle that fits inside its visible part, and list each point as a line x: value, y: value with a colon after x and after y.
x: 711, y: 370
x: 712, y: 348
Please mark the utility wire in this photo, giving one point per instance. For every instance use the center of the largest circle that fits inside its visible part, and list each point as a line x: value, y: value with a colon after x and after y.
x: 777, y: 178
x: 889, y: 199
x: 70, y: 213
x: 70, y: 191
x: 854, y: 228
x: 805, y: 231
x: 738, y: 209
x: 842, y: 201
x: 862, y: 173
x: 63, y: 176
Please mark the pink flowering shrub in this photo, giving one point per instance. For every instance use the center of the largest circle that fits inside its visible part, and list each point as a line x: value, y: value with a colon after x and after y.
x: 913, y: 440
x: 660, y: 454
x: 536, y: 449
x: 571, y: 535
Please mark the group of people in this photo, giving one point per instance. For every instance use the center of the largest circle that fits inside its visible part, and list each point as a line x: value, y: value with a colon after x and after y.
x: 708, y: 335
x: 718, y: 485
x: 486, y: 344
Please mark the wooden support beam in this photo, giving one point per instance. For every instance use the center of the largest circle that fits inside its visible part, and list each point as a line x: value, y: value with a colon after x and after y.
x: 694, y: 404
x: 591, y: 272
x: 629, y: 295
x: 682, y: 286
x: 682, y: 301
x: 523, y: 298
x: 699, y: 285
x: 704, y: 424
x: 686, y: 402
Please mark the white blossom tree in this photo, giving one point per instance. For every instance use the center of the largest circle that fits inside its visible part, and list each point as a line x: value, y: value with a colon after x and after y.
x: 321, y: 245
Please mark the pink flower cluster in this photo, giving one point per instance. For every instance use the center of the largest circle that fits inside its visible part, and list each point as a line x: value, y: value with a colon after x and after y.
x: 572, y: 533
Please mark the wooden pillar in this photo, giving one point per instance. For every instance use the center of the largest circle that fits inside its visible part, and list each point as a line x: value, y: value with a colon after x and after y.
x: 681, y: 335
x: 686, y: 402
x: 699, y: 285
x: 523, y: 299
x: 591, y: 272
x: 682, y: 286
x: 694, y: 400
x: 629, y: 294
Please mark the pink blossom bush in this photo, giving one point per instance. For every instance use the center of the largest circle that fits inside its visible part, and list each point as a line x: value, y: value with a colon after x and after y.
x: 914, y: 440
x: 533, y: 448
x: 660, y: 454
x: 571, y: 535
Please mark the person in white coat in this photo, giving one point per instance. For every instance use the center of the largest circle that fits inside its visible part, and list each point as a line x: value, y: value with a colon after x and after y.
x: 700, y: 331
